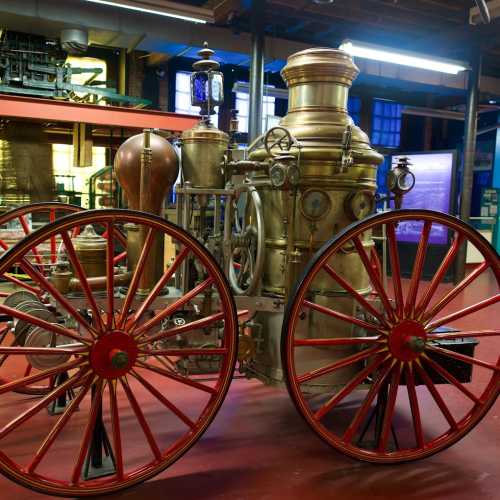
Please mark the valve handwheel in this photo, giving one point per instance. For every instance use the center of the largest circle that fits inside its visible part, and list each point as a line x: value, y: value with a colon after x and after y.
x: 426, y: 368
x: 119, y: 367
x: 277, y: 141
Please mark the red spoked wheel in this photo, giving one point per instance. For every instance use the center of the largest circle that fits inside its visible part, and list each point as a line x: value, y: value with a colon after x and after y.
x: 397, y: 373
x: 18, y: 223
x: 29, y: 293
x: 140, y: 385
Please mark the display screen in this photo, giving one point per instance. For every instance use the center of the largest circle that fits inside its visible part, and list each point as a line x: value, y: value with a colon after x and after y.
x: 432, y: 191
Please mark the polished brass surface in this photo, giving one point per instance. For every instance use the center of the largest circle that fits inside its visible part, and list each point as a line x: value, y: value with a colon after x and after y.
x: 91, y: 251
x: 146, y: 167
x: 203, y: 149
x: 336, y: 162
x: 164, y: 171
x: 318, y: 80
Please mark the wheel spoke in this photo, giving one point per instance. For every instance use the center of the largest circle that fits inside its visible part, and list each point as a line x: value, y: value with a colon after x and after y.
x: 25, y: 381
x: 390, y: 407
x: 438, y: 276
x: 342, y: 316
x: 443, y: 302
x: 82, y: 277
x: 141, y: 419
x: 374, y: 277
x: 337, y: 341
x: 349, y: 387
x: 463, y: 312
x: 365, y: 407
x: 115, y: 423
x: 59, y: 297
x: 436, y: 396
x: 349, y: 360
x: 415, y: 410
x: 158, y: 395
x: 357, y: 296
x: 450, y: 378
x: 177, y: 378
x: 464, y: 358
x: 59, y: 426
x: 395, y: 268
x: 417, y: 269
x: 134, y: 283
x: 27, y: 231
x: 209, y: 351
x: 53, y: 245
x: 42, y: 403
x: 20, y: 283
x: 156, y: 290
x: 460, y: 334
x: 51, y: 327
x: 110, y: 275
x: 169, y: 310
x: 89, y: 430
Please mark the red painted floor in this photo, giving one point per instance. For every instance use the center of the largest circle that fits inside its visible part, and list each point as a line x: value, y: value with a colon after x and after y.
x: 259, y: 448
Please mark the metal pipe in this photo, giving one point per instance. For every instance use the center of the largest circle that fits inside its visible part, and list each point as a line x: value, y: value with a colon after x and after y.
x: 256, y: 70
x: 484, y: 12
x: 469, y: 154
x: 122, y: 72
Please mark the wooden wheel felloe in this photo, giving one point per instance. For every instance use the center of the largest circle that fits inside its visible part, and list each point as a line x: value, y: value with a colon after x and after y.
x: 421, y: 366
x: 115, y: 359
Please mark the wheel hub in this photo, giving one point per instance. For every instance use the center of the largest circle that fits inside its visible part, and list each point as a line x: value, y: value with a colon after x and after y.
x: 113, y: 354
x: 407, y: 340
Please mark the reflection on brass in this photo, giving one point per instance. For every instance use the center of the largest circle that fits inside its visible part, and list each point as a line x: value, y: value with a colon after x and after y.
x: 91, y: 251
x: 146, y: 167
x: 203, y: 149
x: 318, y: 80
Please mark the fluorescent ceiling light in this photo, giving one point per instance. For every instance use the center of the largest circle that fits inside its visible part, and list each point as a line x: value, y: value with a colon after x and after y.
x: 385, y: 54
x: 158, y: 12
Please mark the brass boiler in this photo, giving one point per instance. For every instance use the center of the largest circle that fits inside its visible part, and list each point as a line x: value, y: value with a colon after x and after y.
x: 203, y: 149
x: 338, y: 170
x: 146, y: 166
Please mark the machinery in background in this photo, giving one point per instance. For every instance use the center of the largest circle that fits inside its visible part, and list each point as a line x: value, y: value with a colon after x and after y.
x: 34, y: 66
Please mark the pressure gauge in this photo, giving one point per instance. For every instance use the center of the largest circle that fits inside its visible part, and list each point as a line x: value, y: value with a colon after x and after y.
x: 360, y: 204
x: 315, y: 204
x: 293, y: 175
x: 277, y: 173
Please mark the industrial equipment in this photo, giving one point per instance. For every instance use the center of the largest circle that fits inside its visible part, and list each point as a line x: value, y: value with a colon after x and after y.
x: 33, y: 66
x: 129, y: 328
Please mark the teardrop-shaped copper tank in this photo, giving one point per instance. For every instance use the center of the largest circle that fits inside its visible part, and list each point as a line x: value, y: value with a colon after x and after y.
x: 160, y: 167
x: 164, y: 171
x: 318, y: 80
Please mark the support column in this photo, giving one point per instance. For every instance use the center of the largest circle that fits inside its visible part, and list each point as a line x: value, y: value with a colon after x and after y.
x: 122, y: 72
x: 256, y: 70
x: 470, y: 135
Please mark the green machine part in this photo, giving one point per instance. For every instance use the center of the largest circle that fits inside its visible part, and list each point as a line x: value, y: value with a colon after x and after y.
x: 101, y: 175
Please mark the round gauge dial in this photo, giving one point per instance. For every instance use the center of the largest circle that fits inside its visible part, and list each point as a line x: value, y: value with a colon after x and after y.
x: 277, y: 173
x: 360, y: 204
x: 315, y: 204
x: 293, y: 175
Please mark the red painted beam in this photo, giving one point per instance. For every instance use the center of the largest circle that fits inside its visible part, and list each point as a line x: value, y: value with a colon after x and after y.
x: 50, y: 110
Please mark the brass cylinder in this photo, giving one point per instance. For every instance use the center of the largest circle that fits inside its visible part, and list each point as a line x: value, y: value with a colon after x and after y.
x: 299, y: 221
x: 203, y: 148
x: 91, y: 251
x: 318, y: 80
